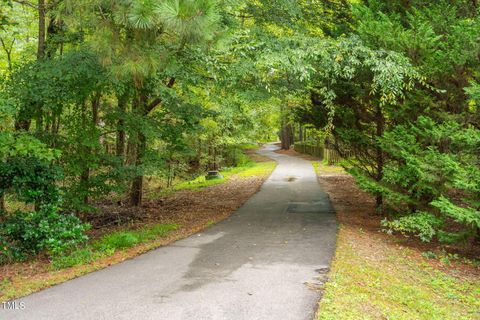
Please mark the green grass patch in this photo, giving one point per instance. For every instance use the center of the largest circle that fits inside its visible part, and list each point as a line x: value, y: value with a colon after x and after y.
x: 394, y: 286
x: 323, y: 168
x: 249, y: 146
x: 76, y: 257
x: 110, y: 243
x: 249, y: 169
x: 198, y: 183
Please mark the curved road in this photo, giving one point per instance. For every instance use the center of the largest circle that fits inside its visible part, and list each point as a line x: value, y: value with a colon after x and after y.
x: 263, y: 262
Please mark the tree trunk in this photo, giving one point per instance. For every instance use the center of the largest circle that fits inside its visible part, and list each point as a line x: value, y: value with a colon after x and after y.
x: 95, y: 106
x: 120, y: 148
x: 52, y: 43
x: 285, y: 137
x: 2, y: 204
x: 41, y: 29
x: 23, y: 121
x: 85, y: 176
x: 380, y: 123
x: 137, y: 184
x: 8, y: 52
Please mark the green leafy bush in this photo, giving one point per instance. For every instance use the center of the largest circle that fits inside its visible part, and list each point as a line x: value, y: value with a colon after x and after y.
x: 31, y: 178
x: 423, y: 224
x: 26, y: 233
x: 434, y: 167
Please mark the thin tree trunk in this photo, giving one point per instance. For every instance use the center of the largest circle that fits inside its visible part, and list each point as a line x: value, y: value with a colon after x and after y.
x: 95, y: 106
x: 380, y: 123
x: 8, y: 52
x: 137, y: 184
x: 143, y: 108
x: 286, y: 135
x: 41, y: 29
x: 120, y: 148
x: 85, y: 176
x: 136, y: 190
x: 2, y: 205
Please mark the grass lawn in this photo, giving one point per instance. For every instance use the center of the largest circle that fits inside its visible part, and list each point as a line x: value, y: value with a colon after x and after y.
x: 372, y: 280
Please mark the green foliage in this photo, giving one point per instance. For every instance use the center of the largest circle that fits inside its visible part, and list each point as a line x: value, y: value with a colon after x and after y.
x: 31, y: 179
x: 126, y: 239
x: 110, y: 243
x: 76, y: 257
x: 171, y: 89
x: 428, y: 161
x: 423, y: 224
x: 24, y: 145
x: 26, y: 233
x: 394, y: 95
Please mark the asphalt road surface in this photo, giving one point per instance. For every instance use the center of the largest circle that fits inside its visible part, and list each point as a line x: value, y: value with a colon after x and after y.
x: 263, y: 262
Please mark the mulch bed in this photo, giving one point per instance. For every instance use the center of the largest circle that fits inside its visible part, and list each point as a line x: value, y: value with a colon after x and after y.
x: 185, y: 207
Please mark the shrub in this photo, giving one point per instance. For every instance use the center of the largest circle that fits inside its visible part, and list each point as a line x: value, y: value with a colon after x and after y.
x: 26, y: 233
x: 423, y: 224
x: 32, y: 179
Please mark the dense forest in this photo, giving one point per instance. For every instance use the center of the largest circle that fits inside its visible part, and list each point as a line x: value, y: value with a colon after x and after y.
x: 98, y: 97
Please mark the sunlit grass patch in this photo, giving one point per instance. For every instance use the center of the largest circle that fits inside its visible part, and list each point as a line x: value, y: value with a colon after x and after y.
x: 110, y: 243
x: 249, y: 146
x: 249, y: 169
x: 198, y: 183
x: 393, y: 285
x: 259, y: 169
x: 322, y: 168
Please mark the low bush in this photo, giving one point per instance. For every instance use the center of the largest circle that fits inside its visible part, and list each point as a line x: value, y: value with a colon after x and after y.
x: 26, y: 233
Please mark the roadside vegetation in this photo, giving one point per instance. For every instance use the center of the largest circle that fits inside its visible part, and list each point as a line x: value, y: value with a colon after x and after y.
x: 375, y: 275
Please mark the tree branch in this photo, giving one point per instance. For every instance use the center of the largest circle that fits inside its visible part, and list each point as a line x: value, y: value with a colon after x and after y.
x: 157, y: 101
x: 26, y: 3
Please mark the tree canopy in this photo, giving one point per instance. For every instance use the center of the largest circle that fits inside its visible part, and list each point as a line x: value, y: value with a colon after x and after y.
x: 96, y: 95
